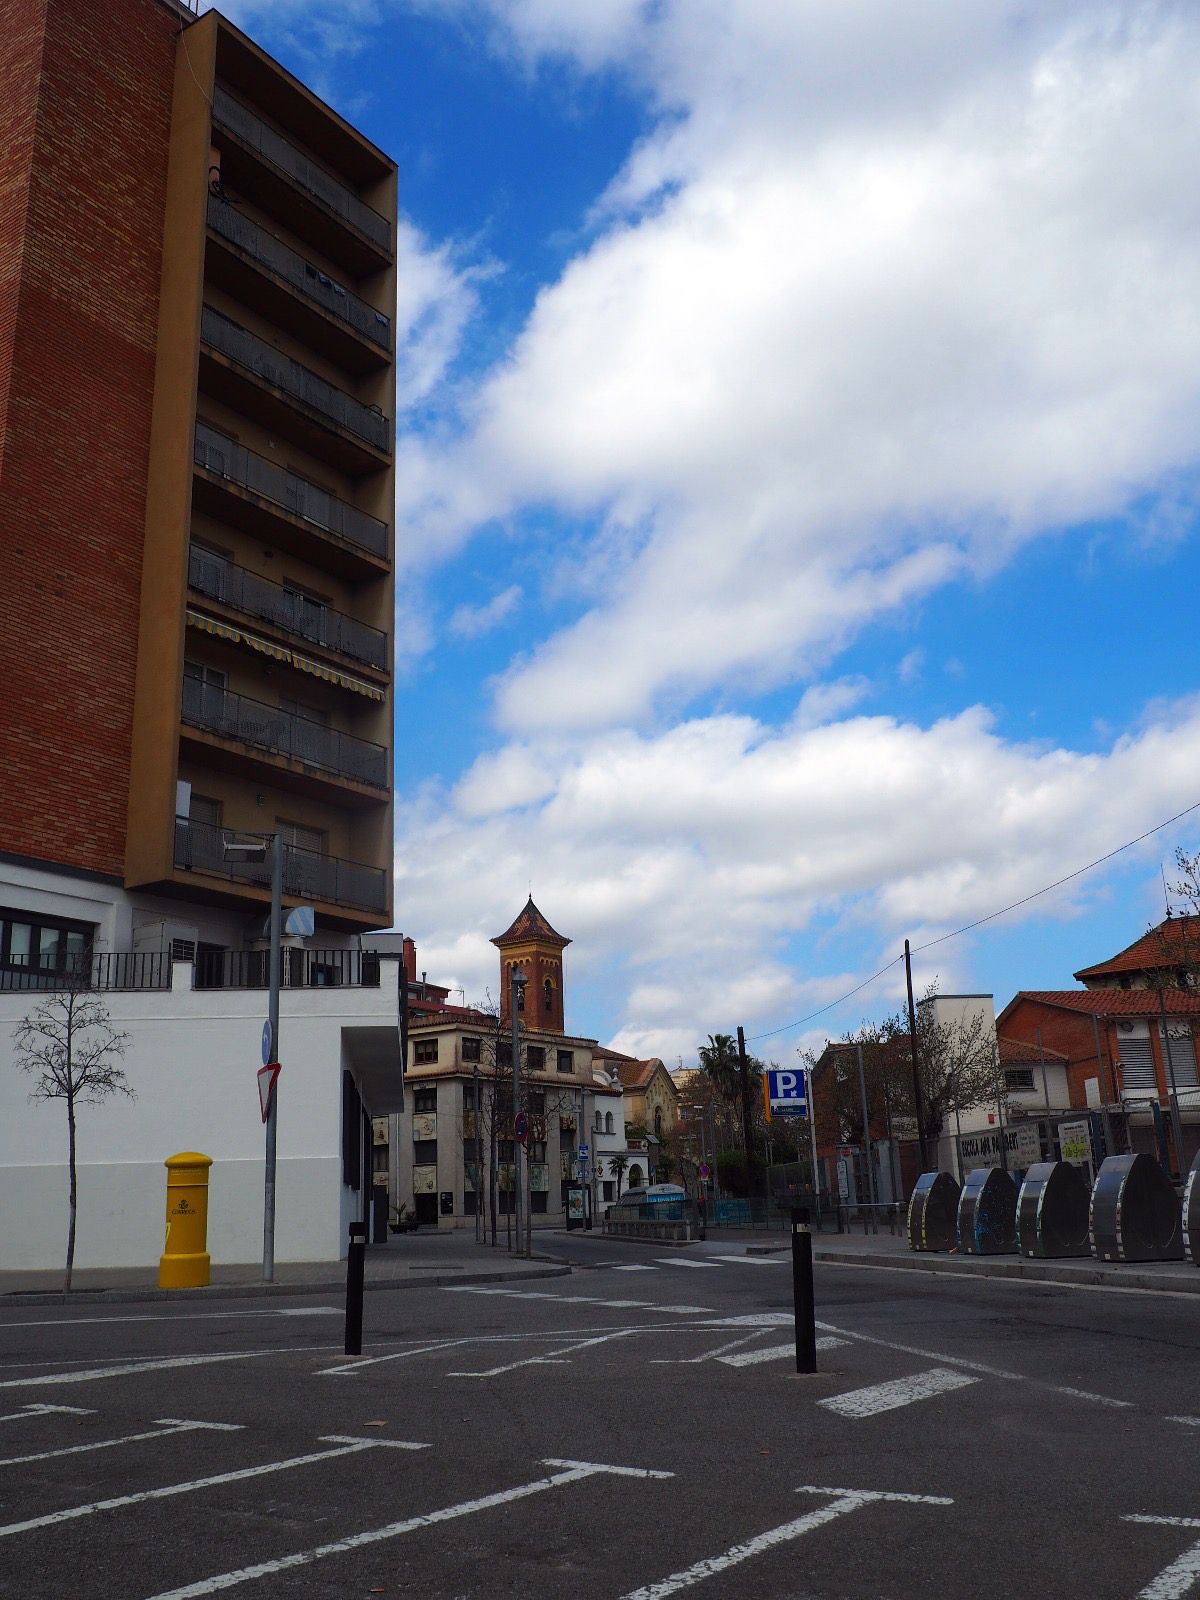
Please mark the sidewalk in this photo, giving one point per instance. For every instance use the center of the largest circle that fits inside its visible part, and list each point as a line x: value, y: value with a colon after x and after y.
x: 409, y: 1261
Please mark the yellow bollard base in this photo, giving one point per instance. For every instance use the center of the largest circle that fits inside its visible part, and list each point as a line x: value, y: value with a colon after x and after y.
x: 184, y: 1272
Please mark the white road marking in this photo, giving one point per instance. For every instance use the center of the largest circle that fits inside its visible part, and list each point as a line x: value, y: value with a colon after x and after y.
x: 70, y: 1513
x: 1188, y: 1422
x: 554, y: 1358
x: 638, y: 1267
x: 1086, y: 1394
x: 1182, y: 1576
x: 36, y: 1410
x: 197, y: 1316
x: 380, y: 1444
x: 573, y: 1472
x: 164, y: 1428
x: 134, y: 1368
x: 899, y: 1392
x: 756, y: 1261
x: 582, y: 1300
x: 776, y: 1352
x: 846, y: 1500
x: 709, y: 1355
x: 682, y: 1261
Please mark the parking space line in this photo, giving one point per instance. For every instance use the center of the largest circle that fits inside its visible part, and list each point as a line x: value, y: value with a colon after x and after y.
x: 899, y: 1392
x: 846, y: 1500
x: 135, y: 1367
x: 776, y: 1352
x: 682, y: 1261
x: 1188, y: 1422
x: 756, y: 1261
x: 638, y: 1266
x: 34, y: 1409
x: 553, y: 1358
x: 1182, y: 1576
x: 572, y: 1472
x: 193, y: 1316
x: 164, y: 1428
x: 70, y: 1513
x: 582, y: 1300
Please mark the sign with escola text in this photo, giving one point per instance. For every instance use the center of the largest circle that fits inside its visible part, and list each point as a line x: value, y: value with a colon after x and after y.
x: 786, y: 1096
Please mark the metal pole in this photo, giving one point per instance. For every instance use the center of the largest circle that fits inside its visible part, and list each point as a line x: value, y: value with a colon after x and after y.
x: 1037, y: 1034
x: 1104, y: 1111
x: 812, y: 1132
x: 803, y: 1299
x: 747, y: 1135
x: 918, y: 1105
x: 273, y: 1018
x: 1176, y: 1119
x: 716, y: 1169
x: 868, y: 1149
x: 355, y: 1272
x: 478, y: 1156
x: 514, y: 989
x: 1000, y: 1105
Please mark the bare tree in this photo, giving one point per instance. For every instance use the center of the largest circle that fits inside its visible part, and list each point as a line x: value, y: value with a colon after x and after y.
x: 70, y: 1048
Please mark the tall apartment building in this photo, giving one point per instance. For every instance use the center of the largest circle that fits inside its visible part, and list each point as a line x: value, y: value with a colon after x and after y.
x: 197, y: 279
x: 197, y: 285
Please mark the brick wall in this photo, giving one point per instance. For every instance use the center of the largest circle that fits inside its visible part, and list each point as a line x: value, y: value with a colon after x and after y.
x: 87, y: 103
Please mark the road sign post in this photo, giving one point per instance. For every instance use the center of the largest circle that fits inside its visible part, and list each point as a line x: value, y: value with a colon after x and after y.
x: 786, y: 1093
x: 803, y: 1301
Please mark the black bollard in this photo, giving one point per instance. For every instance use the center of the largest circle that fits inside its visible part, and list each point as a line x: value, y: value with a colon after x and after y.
x: 802, y: 1291
x: 355, y: 1263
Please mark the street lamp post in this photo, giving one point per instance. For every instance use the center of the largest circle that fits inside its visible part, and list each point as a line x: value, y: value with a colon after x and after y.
x: 516, y: 988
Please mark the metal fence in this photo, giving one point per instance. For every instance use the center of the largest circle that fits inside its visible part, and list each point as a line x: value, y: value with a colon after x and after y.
x: 92, y: 970
x: 298, y: 969
x: 216, y: 452
x: 307, y: 874
x: 297, y: 613
x: 295, y: 380
x: 284, y: 733
x: 253, y: 132
x: 311, y: 281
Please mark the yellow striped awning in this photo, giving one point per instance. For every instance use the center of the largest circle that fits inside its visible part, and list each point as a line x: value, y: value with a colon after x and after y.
x: 279, y: 652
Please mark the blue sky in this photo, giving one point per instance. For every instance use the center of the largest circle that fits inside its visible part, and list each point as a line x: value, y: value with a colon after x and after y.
x: 797, y: 450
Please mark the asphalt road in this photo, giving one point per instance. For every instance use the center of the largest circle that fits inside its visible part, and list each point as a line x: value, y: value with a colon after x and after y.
x: 634, y: 1430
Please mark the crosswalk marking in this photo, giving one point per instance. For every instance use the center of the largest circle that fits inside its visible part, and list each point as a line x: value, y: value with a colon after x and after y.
x: 774, y: 1352
x: 1182, y: 1576
x: 639, y: 1267
x: 756, y: 1261
x: 899, y: 1392
x: 681, y: 1261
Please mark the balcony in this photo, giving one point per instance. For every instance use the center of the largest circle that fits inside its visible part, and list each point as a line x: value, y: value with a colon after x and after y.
x: 254, y: 376
x: 307, y: 876
x: 289, y: 183
x: 283, y: 733
x: 108, y: 970
x: 298, y: 968
x: 292, y: 292
x: 294, y: 513
x: 294, y: 613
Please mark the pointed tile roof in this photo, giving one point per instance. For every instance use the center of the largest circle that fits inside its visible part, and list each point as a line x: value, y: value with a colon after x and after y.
x: 1173, y: 943
x: 530, y: 926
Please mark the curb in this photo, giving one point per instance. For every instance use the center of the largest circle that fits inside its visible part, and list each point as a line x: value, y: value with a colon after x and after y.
x: 261, y: 1291
x: 1095, y: 1276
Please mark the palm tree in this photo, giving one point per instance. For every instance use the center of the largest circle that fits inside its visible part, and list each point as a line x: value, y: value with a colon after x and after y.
x: 719, y: 1059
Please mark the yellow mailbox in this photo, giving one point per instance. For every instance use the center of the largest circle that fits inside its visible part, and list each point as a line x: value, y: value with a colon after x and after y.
x: 184, y: 1263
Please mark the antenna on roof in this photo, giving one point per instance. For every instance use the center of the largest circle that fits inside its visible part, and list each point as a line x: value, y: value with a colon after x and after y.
x: 1166, y: 900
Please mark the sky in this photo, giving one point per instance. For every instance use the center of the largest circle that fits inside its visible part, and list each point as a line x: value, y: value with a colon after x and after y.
x: 797, y: 453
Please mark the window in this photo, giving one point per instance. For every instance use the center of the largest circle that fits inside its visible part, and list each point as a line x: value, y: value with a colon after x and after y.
x: 301, y: 708
x: 535, y: 1103
x: 535, y: 1058
x: 300, y: 837
x: 520, y: 997
x: 538, y: 1200
x: 31, y: 944
x: 658, y: 1122
x: 566, y: 1061
x: 635, y: 1177
x: 1018, y: 1077
x: 599, y: 1122
x: 469, y: 1096
x: 468, y: 1202
x: 547, y: 996
x: 204, y: 808
x: 537, y: 1150
x: 425, y: 1051
x: 308, y: 611
x: 505, y: 1152
x: 610, y: 1190
x: 471, y: 1049
x: 425, y: 1101
x: 209, y: 677
x: 424, y: 1152
x: 608, y: 1122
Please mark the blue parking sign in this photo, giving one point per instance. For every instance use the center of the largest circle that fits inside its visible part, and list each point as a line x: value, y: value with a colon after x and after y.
x: 787, y: 1093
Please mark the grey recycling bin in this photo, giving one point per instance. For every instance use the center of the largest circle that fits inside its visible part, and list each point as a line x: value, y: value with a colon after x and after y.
x: 1191, y: 1213
x: 933, y: 1212
x: 1052, y: 1211
x: 1135, y: 1212
x: 987, y: 1213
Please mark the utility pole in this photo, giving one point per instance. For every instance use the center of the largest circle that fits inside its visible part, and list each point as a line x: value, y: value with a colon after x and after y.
x: 918, y: 1102
x: 1111, y: 1149
x: 747, y: 1137
x: 1176, y: 1119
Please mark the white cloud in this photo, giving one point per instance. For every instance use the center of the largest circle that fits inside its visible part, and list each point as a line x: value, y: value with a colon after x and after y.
x: 886, y: 291
x: 469, y: 622
x: 435, y: 299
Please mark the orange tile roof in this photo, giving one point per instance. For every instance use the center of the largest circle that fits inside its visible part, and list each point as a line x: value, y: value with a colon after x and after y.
x: 530, y: 925
x: 1015, y: 1052
x: 1114, y: 1002
x: 637, y: 1074
x: 1175, y: 942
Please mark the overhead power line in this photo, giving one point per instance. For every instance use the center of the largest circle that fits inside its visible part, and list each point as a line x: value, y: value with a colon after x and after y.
x: 979, y: 922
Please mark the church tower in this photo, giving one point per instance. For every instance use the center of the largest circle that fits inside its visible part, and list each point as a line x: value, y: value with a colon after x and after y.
x: 532, y: 944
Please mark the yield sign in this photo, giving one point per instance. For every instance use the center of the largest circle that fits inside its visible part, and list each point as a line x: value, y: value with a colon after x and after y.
x: 268, y: 1076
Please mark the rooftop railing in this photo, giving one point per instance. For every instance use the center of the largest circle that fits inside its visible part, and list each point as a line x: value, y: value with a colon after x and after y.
x: 217, y: 453
x: 300, y: 968
x: 212, y: 575
x: 283, y: 733
x: 311, y: 281
x: 247, y: 350
x: 91, y: 970
x: 307, y: 874
x: 289, y: 159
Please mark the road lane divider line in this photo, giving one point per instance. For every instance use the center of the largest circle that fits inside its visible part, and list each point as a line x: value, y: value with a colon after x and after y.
x: 36, y: 1409
x: 191, y: 1316
x: 1183, y: 1575
x: 898, y: 1392
x: 638, y: 1266
x: 553, y: 1357
x: 136, y: 1366
x: 164, y: 1428
x: 170, y: 1490
x: 1188, y: 1422
x: 845, y: 1501
x: 572, y: 1472
x: 682, y: 1261
x: 776, y: 1352
x: 757, y: 1261
x: 582, y: 1300
x: 379, y: 1444
x: 1086, y: 1394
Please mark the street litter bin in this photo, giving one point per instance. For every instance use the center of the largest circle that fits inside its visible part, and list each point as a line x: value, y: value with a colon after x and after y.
x: 1191, y: 1213
x: 987, y: 1213
x: 1135, y: 1212
x: 1052, y: 1212
x: 933, y: 1212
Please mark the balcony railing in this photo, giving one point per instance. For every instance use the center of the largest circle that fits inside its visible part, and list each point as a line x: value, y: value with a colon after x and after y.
x: 101, y: 969
x: 245, y: 591
x: 307, y: 875
x: 297, y: 382
x: 253, y: 132
x: 216, y: 452
x: 298, y: 969
x: 311, y: 281
x: 283, y: 733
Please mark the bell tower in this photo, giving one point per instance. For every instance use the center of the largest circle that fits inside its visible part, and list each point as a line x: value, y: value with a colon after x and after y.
x: 532, y: 944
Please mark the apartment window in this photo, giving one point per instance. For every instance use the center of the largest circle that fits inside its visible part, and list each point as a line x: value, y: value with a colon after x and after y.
x: 301, y: 837
x: 425, y: 1051
x: 471, y: 1049
x: 535, y: 1103
x: 599, y: 1122
x: 537, y: 1150
x: 31, y: 943
x: 539, y: 1200
x: 535, y: 1058
x: 505, y: 1152
x: 1018, y: 1077
x: 425, y: 1100
x: 204, y: 808
x: 309, y: 611
x: 424, y: 1152
x: 302, y: 708
x: 610, y: 1190
x: 566, y: 1061
x: 608, y: 1122
x: 469, y: 1097
x: 468, y: 1202
x: 200, y: 672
